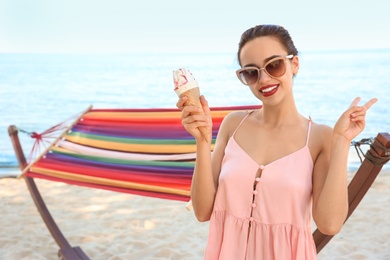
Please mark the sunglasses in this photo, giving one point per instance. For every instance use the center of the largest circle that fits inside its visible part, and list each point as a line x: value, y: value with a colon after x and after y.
x: 274, y: 68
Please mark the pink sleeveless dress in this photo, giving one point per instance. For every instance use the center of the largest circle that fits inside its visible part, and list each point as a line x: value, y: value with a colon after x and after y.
x: 262, y: 218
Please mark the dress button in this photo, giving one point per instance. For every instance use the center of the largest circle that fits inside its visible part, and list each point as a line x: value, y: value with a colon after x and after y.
x: 253, y: 205
x: 255, y: 192
x: 258, y: 179
x: 262, y: 167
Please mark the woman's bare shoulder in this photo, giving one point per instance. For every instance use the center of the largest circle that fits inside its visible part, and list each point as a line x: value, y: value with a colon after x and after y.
x: 321, y: 135
x: 236, y: 115
x: 321, y: 129
x: 232, y: 119
x: 230, y: 123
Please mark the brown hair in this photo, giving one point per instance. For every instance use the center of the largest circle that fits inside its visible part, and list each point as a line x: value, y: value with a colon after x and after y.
x: 280, y: 33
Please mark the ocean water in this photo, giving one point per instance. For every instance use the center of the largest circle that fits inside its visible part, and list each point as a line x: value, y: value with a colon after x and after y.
x: 38, y: 91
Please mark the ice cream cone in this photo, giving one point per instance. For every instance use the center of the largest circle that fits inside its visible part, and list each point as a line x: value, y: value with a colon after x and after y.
x: 193, y: 96
x: 186, y: 85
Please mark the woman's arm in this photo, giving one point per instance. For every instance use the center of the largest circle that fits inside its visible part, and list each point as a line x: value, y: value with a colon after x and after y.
x: 207, y: 166
x: 330, y: 192
x: 330, y: 197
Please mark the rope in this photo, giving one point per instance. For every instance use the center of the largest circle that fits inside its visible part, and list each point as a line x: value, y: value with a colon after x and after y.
x: 46, y: 137
x: 357, y: 144
x: 371, y: 154
x: 375, y: 158
x: 24, y: 131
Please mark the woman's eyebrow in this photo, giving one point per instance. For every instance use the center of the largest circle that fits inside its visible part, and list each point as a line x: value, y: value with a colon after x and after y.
x: 271, y: 57
x: 265, y: 61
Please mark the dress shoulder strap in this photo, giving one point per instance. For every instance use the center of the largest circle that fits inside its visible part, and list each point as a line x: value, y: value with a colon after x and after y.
x: 247, y: 114
x: 308, y: 131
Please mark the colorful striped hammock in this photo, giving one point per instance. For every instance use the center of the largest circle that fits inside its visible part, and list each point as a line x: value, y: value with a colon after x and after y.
x: 145, y: 152
x: 139, y: 151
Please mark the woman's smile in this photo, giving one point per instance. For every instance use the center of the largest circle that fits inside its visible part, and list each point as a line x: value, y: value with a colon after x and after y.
x: 269, y: 90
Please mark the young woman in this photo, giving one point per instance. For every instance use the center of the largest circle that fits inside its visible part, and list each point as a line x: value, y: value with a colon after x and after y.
x: 272, y: 169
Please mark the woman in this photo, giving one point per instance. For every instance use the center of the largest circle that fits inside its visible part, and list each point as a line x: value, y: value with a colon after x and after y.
x: 272, y: 169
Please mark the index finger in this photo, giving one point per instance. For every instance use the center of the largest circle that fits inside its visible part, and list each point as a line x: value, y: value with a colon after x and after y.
x: 180, y: 103
x: 370, y: 103
x: 355, y: 102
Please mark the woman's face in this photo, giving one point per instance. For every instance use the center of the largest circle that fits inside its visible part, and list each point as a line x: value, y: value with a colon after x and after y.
x: 256, y: 53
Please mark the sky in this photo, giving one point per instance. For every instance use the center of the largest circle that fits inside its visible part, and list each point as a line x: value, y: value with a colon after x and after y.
x: 128, y: 26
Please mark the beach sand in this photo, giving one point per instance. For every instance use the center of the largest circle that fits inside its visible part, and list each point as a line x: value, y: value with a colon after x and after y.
x: 110, y: 225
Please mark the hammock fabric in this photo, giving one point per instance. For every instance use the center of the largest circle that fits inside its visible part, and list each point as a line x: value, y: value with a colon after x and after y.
x: 139, y: 151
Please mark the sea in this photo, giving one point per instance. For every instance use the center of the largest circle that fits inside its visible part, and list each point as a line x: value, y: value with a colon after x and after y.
x: 38, y: 91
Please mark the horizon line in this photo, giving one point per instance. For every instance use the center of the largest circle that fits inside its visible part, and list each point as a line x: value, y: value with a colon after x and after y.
x: 181, y: 51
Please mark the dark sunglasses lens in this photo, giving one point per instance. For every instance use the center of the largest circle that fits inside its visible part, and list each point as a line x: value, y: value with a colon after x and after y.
x: 276, y: 68
x: 249, y: 76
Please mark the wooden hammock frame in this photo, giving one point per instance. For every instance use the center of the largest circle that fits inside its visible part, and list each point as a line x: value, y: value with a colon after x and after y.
x: 357, y: 188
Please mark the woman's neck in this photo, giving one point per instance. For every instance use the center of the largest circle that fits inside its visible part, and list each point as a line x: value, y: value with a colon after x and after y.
x: 281, y: 114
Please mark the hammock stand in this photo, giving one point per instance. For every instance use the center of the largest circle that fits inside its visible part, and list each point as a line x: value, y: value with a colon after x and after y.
x: 66, y: 251
x: 375, y: 158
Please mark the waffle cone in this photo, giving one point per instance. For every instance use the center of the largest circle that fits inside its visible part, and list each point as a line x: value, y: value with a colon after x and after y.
x: 193, y: 96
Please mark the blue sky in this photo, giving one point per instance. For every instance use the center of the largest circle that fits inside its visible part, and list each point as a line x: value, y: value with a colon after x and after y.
x: 96, y: 26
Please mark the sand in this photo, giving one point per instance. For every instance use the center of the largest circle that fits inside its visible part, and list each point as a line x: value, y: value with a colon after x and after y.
x: 110, y: 225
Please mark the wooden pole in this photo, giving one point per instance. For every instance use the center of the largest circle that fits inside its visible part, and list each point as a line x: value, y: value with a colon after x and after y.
x: 360, y: 183
x: 66, y: 250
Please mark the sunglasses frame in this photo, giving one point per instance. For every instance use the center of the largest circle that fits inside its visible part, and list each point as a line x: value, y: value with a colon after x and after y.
x: 284, y: 58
